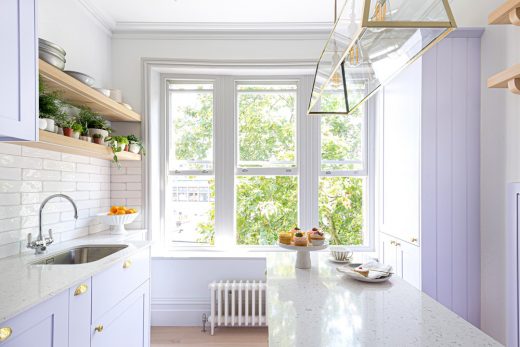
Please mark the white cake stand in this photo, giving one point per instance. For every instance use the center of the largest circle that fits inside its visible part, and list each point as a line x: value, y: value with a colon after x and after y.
x: 303, y: 254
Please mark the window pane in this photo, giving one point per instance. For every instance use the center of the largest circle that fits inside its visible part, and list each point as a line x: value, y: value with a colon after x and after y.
x: 341, y: 209
x: 191, y: 108
x: 266, y: 125
x: 190, y: 214
x: 342, y: 138
x: 265, y: 205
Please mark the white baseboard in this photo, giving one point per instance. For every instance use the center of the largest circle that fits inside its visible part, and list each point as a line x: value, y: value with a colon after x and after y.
x: 179, y: 312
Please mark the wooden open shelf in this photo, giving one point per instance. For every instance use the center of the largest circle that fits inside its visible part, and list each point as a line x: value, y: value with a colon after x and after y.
x: 59, y: 143
x: 508, y: 13
x: 509, y: 78
x: 79, y: 94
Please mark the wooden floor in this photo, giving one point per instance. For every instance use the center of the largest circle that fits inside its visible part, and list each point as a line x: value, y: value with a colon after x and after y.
x: 194, y: 337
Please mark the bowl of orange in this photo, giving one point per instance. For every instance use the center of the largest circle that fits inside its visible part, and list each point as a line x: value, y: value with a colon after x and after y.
x: 117, y: 217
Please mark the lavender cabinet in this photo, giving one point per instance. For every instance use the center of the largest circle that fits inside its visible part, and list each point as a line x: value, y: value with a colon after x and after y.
x: 45, y: 325
x: 19, y: 70
x: 430, y: 168
x: 80, y: 307
x: 513, y: 265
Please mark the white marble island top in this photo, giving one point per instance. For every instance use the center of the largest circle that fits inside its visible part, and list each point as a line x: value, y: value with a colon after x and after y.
x: 320, y: 307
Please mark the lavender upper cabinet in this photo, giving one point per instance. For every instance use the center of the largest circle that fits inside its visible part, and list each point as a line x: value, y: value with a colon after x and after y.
x: 430, y: 169
x: 44, y: 325
x: 19, y: 70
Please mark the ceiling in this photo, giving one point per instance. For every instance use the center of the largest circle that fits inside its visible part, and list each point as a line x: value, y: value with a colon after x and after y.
x: 116, y: 13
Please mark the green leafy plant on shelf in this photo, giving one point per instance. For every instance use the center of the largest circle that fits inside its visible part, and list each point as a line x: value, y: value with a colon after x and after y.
x: 50, y: 104
x: 92, y: 120
x: 115, y: 142
x: 136, y: 141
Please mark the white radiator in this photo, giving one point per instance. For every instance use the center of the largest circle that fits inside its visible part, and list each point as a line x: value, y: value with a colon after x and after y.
x: 237, y: 304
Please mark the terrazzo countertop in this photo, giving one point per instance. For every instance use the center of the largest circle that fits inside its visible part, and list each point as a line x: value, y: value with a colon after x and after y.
x: 23, y: 285
x: 321, y: 307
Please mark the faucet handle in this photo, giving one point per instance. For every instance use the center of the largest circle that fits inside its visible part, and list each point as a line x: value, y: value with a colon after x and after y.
x: 29, y: 239
x: 50, y: 239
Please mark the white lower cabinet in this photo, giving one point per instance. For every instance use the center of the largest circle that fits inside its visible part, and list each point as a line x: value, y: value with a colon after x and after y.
x: 404, y: 257
x: 44, y: 325
x: 108, y: 310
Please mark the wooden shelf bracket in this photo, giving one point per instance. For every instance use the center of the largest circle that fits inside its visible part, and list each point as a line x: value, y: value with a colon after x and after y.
x: 508, y: 13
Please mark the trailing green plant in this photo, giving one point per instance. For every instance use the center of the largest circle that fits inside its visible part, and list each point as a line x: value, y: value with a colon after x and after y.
x: 134, y: 140
x: 121, y: 140
x: 113, y: 144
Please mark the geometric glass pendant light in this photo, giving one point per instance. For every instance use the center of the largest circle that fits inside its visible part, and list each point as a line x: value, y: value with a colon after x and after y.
x: 372, y: 41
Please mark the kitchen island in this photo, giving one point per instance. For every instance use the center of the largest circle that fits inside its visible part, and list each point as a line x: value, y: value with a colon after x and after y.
x: 321, y: 307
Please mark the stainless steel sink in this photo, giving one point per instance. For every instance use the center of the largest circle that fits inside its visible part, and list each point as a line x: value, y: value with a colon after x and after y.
x: 81, y: 255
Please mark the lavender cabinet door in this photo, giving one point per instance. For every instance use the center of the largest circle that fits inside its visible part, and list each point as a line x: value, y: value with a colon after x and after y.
x: 80, y: 311
x: 44, y: 325
x: 19, y: 70
x: 127, y: 324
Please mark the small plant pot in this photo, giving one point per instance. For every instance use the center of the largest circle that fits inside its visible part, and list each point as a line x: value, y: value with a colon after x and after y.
x: 98, y: 140
x: 126, y: 148
x: 50, y: 124
x: 86, y: 138
x: 42, y: 124
x: 134, y: 148
x: 122, y: 146
x: 68, y: 132
x: 76, y: 135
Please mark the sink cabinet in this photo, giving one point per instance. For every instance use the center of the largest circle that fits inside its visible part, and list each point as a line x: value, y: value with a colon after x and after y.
x: 110, y: 309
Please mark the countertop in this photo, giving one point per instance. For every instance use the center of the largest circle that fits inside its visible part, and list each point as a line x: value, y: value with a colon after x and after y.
x: 23, y: 285
x: 321, y: 307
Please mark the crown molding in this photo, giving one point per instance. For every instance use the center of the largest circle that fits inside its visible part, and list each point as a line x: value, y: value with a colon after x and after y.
x: 106, y: 22
x: 239, y: 31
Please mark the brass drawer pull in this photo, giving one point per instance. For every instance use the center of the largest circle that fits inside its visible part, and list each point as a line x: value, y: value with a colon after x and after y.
x: 397, y: 244
x: 414, y: 239
x: 392, y: 242
x: 82, y: 289
x: 99, y: 328
x: 127, y: 264
x: 5, y: 333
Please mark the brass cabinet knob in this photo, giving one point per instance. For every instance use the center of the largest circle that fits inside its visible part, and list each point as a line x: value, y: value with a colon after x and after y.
x: 127, y: 264
x: 392, y: 242
x: 414, y: 239
x: 99, y: 328
x: 5, y: 333
x: 82, y: 289
x: 397, y: 244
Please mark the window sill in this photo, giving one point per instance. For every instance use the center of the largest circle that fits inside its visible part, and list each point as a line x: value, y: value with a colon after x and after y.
x: 203, y: 252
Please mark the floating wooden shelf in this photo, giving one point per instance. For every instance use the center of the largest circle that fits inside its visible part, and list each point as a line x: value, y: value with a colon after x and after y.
x: 79, y: 94
x: 508, y: 13
x: 509, y: 78
x: 59, y: 143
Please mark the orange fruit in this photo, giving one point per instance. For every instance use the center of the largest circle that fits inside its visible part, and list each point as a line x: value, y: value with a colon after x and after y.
x: 113, y: 209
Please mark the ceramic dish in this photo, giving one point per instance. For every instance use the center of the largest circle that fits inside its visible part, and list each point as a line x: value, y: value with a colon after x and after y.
x: 52, y: 59
x: 334, y: 260
x: 348, y: 271
x: 83, y: 78
x: 104, y: 91
x: 51, y: 46
x: 118, y: 221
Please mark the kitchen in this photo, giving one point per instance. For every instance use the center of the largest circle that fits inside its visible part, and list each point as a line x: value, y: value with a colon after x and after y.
x: 182, y: 133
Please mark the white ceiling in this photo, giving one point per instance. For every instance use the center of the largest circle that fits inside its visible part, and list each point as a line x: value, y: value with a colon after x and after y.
x: 121, y: 12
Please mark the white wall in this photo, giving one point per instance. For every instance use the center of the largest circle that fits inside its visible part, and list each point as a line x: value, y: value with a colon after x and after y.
x: 88, y: 45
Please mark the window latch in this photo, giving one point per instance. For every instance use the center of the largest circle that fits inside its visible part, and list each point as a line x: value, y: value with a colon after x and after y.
x: 245, y: 170
x: 328, y: 172
x: 205, y: 171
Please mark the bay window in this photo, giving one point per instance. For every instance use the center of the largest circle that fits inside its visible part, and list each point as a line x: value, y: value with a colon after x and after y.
x: 235, y: 150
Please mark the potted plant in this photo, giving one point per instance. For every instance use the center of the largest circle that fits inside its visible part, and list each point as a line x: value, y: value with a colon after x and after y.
x: 122, y: 142
x: 111, y: 141
x: 97, y: 138
x: 77, y: 128
x: 135, y: 144
x: 49, y: 108
x: 93, y: 122
x: 84, y: 135
x: 66, y: 124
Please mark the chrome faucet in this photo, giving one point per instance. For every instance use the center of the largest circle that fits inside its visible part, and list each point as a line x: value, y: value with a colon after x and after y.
x: 41, y: 243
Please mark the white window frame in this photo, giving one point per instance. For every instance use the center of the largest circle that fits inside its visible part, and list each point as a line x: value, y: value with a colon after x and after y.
x: 308, y: 167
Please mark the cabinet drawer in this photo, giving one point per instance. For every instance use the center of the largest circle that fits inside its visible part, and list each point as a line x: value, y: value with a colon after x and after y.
x: 114, y: 284
x: 80, y: 303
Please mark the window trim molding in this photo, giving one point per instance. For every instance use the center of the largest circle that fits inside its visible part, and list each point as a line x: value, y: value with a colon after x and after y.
x: 157, y: 70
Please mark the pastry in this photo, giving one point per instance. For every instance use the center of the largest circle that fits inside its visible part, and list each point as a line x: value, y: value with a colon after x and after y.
x: 285, y: 238
x: 294, y: 231
x: 317, y: 237
x: 300, y: 239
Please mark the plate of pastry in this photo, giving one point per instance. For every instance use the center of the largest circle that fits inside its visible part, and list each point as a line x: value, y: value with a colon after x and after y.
x: 372, y: 272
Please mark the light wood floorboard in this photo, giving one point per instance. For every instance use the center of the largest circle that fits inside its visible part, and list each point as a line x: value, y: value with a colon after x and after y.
x: 194, y: 337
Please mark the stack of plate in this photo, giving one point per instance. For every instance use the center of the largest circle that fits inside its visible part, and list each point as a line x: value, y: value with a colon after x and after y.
x: 52, y: 53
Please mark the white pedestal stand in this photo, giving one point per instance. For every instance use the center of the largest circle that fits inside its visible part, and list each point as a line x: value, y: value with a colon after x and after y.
x: 303, y: 254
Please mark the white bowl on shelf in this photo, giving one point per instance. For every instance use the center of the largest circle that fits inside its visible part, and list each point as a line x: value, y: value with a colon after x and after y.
x: 117, y: 221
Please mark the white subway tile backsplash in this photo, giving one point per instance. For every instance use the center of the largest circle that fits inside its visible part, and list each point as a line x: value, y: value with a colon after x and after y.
x: 87, y: 168
x: 100, y: 162
x: 126, y: 194
x: 75, y: 177
x: 74, y: 234
x: 133, y: 171
x: 9, y: 236
x: 40, y: 153
x: 7, y: 199
x: 59, y: 186
x: 72, y: 158
x: 58, y: 165
x: 29, y: 221
x: 99, y: 178
x: 79, y: 195
x: 9, y: 173
x: 87, y: 186
x: 134, y: 202
x: 10, y: 224
x: 133, y: 186
x: 119, y: 186
x: 20, y: 162
x: 40, y: 175
x: 9, y: 249
x: 20, y: 186
x: 118, y: 171
x: 10, y: 211
x: 126, y: 178
x: 8, y: 148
